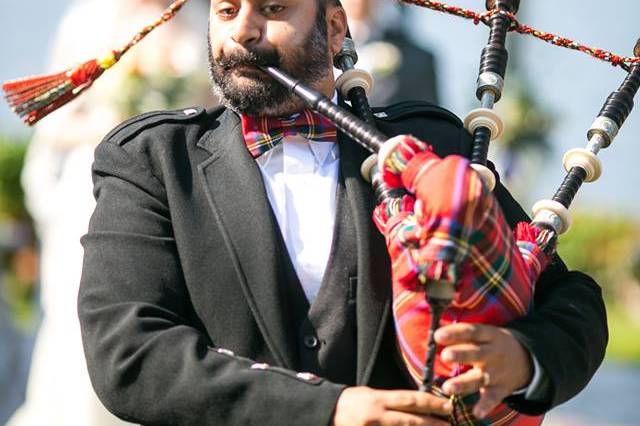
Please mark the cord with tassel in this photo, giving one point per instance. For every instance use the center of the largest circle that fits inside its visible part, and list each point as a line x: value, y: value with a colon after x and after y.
x: 33, y: 98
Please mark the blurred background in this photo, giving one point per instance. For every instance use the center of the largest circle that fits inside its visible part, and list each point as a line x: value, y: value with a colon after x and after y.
x: 551, y: 98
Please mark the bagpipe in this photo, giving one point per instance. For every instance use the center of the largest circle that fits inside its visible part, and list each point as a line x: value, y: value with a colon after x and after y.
x: 454, y: 257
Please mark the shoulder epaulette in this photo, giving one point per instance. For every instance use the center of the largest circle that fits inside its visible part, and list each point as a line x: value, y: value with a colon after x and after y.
x: 133, y: 126
x: 407, y: 109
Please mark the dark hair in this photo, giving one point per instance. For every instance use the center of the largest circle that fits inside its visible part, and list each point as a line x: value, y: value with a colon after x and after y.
x: 322, y: 9
x: 322, y: 13
x: 327, y: 3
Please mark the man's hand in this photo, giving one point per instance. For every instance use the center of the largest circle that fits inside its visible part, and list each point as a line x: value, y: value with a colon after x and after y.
x: 363, y: 406
x: 501, y: 365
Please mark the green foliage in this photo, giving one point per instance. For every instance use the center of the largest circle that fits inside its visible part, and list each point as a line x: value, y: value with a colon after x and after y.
x: 525, y: 140
x: 17, y: 254
x: 528, y: 123
x: 608, y: 249
x: 602, y: 246
x: 624, y: 344
x: 143, y: 92
x: 19, y: 295
x: 12, y: 155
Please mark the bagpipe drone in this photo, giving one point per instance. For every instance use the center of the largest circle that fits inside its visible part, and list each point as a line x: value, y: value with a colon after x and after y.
x: 453, y: 255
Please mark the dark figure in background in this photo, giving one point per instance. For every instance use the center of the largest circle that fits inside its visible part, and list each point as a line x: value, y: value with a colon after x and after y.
x: 401, y: 69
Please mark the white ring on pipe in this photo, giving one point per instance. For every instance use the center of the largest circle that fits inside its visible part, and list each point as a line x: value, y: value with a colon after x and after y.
x: 387, y: 149
x: 367, y: 165
x: 486, y: 175
x: 484, y: 117
x: 586, y: 160
x: 354, y: 78
x: 554, y: 207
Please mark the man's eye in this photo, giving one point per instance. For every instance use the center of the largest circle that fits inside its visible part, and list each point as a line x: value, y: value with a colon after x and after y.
x: 272, y: 9
x: 226, y: 12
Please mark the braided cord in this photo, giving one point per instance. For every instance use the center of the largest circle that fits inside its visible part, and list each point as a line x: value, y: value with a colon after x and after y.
x: 167, y: 15
x: 485, y: 17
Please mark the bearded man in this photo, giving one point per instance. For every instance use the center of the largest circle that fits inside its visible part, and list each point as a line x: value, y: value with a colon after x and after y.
x: 233, y: 274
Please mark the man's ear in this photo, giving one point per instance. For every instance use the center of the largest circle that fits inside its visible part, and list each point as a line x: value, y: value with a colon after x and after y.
x: 336, y: 27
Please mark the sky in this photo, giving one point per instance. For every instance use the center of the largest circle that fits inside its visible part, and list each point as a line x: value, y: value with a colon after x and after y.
x: 571, y: 85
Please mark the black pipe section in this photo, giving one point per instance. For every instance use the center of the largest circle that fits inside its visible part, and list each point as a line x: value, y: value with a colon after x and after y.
x: 360, y: 104
x: 620, y: 102
x: 437, y: 308
x: 494, y: 60
x: 480, y: 147
x: 365, y: 134
x: 569, y: 186
x: 617, y: 108
x: 494, y: 55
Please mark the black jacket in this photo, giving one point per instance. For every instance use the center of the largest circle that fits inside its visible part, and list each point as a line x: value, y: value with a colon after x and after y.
x: 182, y: 297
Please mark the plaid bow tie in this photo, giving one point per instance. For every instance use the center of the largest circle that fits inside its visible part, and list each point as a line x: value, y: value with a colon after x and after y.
x: 263, y: 133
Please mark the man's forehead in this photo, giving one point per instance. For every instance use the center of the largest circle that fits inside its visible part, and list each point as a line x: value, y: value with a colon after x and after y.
x: 214, y: 2
x: 319, y: 2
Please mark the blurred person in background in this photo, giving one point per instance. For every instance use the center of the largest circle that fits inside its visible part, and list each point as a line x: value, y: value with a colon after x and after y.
x: 58, y: 187
x: 401, y: 69
x: 18, y: 316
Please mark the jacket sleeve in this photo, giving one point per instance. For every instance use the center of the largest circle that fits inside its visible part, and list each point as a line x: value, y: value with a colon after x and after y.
x: 566, y: 330
x: 148, y: 361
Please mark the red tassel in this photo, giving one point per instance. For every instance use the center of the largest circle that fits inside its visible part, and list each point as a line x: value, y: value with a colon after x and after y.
x: 25, y: 84
x: 35, y: 97
x: 29, y: 90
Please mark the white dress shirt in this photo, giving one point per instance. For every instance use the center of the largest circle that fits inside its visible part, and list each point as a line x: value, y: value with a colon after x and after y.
x: 301, y: 178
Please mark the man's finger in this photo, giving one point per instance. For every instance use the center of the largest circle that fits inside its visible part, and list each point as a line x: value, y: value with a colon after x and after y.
x: 490, y: 398
x: 416, y: 402
x: 399, y: 418
x: 466, y: 353
x: 467, y: 383
x: 465, y: 333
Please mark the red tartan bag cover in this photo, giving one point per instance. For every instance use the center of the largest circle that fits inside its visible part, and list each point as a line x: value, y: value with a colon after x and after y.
x: 454, y: 231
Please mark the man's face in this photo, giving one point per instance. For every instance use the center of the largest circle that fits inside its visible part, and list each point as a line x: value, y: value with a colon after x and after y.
x: 289, y: 34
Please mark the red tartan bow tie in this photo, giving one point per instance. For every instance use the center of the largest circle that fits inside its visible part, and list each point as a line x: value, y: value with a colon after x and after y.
x: 263, y: 133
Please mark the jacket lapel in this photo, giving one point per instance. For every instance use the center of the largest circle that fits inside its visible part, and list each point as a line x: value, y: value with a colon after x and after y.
x: 250, y: 230
x: 235, y: 190
x: 373, y: 294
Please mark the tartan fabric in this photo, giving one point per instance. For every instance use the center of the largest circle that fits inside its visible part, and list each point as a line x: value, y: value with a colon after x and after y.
x: 407, y: 148
x: 390, y: 208
x: 263, y: 133
x: 456, y: 234
x: 501, y: 416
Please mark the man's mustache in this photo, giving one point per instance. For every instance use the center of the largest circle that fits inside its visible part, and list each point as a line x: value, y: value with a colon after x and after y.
x: 251, y: 57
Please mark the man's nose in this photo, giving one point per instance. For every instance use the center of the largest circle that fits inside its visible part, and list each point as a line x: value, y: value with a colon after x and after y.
x: 246, y: 29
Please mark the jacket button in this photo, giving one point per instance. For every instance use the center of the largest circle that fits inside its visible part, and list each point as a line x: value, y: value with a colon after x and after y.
x: 311, y: 342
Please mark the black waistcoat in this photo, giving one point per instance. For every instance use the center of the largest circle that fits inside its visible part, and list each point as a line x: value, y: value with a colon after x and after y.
x: 326, y: 330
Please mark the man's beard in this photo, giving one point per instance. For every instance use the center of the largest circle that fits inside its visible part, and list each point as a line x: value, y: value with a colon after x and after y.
x: 260, y: 94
